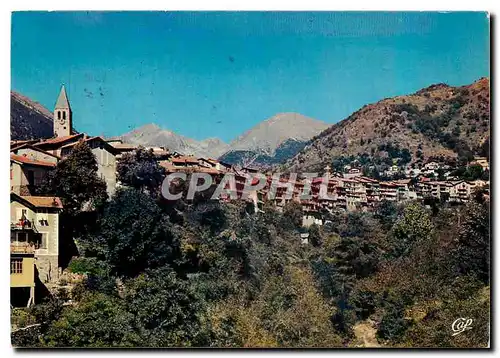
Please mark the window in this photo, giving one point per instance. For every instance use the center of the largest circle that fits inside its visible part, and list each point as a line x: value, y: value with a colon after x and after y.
x: 16, y: 265
x: 58, y: 114
x: 64, y: 115
x: 43, y: 222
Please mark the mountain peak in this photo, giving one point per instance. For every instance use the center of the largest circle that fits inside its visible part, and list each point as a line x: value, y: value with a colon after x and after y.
x: 149, y: 127
x: 272, y: 132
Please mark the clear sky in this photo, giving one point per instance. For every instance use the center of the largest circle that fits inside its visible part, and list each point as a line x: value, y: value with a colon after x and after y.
x: 217, y: 74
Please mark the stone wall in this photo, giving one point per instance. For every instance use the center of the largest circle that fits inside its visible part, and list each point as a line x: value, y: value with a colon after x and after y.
x: 47, y: 266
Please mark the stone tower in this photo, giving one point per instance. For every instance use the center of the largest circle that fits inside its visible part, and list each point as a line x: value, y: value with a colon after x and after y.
x: 62, y: 115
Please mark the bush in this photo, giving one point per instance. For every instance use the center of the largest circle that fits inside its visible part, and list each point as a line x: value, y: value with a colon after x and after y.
x: 84, y: 265
x: 393, y: 324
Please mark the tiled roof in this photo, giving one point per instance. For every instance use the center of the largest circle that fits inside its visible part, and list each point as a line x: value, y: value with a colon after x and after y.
x: 44, y: 201
x: 123, y: 146
x: 25, y: 160
x: 184, y: 159
x: 30, y: 146
x: 88, y: 139
x: 168, y: 165
x: 18, y: 143
x: 59, y: 139
x: 208, y: 170
x: 388, y: 184
x: 108, y: 146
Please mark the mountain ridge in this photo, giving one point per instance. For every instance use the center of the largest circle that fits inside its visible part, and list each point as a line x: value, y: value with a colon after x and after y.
x: 153, y: 135
x: 29, y: 119
x: 283, y: 133
x: 436, y: 121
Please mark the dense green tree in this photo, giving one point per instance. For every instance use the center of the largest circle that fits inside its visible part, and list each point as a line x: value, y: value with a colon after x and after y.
x: 165, y: 309
x: 292, y: 212
x: 356, y: 257
x: 140, y: 170
x: 99, y: 321
x: 473, y: 251
x: 386, y: 212
x: 413, y: 227
x: 315, y: 237
x: 76, y: 181
x: 135, y: 234
x: 393, y: 324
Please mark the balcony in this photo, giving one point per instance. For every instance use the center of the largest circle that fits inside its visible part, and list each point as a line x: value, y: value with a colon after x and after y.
x: 22, y: 248
x: 22, y: 224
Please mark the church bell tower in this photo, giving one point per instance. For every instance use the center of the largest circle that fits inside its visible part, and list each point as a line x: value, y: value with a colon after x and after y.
x: 62, y: 115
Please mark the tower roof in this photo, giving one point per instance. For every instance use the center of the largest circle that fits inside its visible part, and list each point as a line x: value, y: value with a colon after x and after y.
x: 62, y: 100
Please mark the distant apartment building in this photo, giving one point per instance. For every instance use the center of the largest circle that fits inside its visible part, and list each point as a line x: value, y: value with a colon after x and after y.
x: 459, y: 191
x: 388, y: 191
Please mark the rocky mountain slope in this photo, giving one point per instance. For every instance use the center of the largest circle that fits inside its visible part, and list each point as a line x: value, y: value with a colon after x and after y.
x: 439, y: 120
x: 258, y: 159
x: 29, y: 119
x: 273, y: 140
x: 153, y: 135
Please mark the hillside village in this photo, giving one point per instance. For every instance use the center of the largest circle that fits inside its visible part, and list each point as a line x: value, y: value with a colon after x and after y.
x: 35, y: 219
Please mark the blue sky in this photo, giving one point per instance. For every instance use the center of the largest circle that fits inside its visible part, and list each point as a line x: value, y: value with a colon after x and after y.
x: 217, y: 74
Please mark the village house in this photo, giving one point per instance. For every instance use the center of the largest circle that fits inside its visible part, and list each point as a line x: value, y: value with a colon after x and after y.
x: 481, y: 161
x: 311, y: 213
x: 393, y: 169
x: 328, y: 201
x: 352, y: 173
x: 105, y: 156
x: 355, y: 194
x: 372, y: 188
x: 34, y: 240
x: 215, y: 164
x: 240, y: 181
x: 460, y: 191
x: 431, y: 166
x: 403, y: 190
x: 120, y: 148
x: 28, y: 170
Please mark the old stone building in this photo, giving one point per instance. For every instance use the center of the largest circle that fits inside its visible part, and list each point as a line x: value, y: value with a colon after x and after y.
x: 27, y: 172
x: 35, y: 225
x: 105, y: 156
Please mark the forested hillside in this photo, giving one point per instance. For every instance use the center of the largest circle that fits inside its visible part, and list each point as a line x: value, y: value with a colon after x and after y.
x: 210, y: 274
x: 437, y: 121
